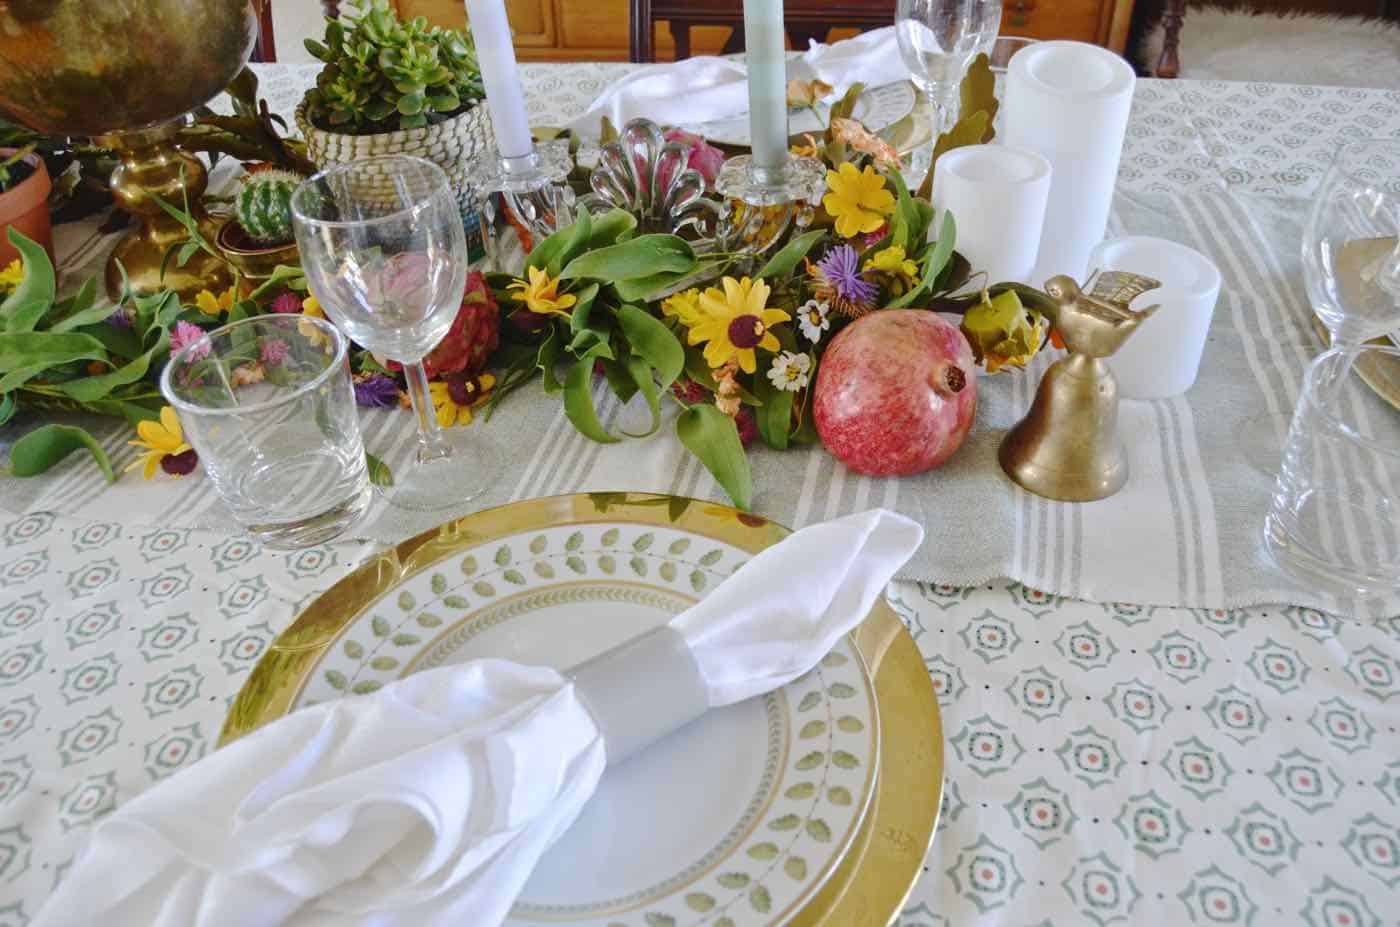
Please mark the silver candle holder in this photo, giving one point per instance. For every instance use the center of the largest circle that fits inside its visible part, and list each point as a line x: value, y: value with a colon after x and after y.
x: 765, y: 203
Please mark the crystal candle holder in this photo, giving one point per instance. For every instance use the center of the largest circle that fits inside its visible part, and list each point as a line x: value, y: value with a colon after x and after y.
x: 765, y: 203
x: 535, y: 187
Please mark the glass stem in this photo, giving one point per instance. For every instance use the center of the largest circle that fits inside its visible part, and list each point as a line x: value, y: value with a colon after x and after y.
x: 431, y: 444
x: 944, y: 100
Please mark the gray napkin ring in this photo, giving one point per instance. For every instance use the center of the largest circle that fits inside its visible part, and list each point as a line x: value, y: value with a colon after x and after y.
x: 641, y: 690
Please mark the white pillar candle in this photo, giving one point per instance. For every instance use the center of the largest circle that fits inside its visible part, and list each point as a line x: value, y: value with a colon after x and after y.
x: 1164, y: 355
x: 997, y: 195
x: 505, y: 98
x: 764, y: 56
x: 1069, y: 101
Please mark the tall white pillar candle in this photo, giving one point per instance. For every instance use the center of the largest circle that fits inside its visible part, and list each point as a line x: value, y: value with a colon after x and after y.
x: 505, y: 98
x: 1164, y: 356
x: 764, y: 56
x: 1069, y: 101
x: 997, y: 195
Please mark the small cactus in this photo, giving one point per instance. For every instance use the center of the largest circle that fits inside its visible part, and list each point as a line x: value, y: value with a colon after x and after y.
x: 264, y: 206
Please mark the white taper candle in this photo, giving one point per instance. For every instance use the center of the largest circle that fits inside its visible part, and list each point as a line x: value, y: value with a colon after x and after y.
x: 505, y: 98
x: 764, y: 55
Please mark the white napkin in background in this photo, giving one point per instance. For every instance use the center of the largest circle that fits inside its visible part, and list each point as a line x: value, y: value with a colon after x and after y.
x: 431, y: 800
x: 707, y: 88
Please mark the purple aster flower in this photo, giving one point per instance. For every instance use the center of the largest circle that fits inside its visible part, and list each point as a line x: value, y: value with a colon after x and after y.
x: 273, y: 352
x: 377, y: 392
x: 190, y: 336
x: 841, y: 268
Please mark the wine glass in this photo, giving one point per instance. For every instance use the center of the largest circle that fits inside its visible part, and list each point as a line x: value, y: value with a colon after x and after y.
x: 1351, y: 265
x: 385, y: 254
x: 937, y: 39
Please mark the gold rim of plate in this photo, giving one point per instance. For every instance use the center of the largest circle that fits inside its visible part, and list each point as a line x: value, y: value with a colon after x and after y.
x: 1381, y: 373
x: 872, y: 883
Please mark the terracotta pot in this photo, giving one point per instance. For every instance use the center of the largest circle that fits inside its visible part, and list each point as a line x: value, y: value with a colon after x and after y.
x: 254, y: 261
x: 450, y: 144
x: 26, y: 208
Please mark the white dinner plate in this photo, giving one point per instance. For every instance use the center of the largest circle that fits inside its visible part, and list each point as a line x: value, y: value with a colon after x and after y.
x: 734, y: 821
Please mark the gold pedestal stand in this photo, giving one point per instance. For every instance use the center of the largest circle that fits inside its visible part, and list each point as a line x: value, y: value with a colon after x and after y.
x: 152, y: 166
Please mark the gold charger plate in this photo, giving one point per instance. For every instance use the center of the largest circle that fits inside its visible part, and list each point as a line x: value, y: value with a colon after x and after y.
x: 872, y: 883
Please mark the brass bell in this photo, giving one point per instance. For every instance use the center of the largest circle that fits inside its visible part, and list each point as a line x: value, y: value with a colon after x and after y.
x: 1067, y: 446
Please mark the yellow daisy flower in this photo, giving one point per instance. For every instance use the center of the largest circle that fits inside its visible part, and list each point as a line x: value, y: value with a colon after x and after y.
x: 450, y: 411
x: 11, y: 275
x: 683, y: 306
x: 736, y: 321
x: 160, y: 439
x: 892, y: 263
x: 308, y: 330
x: 858, y: 200
x: 541, y: 294
x: 209, y: 304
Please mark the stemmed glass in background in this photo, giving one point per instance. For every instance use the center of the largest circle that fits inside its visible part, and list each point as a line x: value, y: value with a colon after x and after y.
x: 1335, y: 517
x: 385, y: 254
x: 937, y: 39
x: 1351, y: 266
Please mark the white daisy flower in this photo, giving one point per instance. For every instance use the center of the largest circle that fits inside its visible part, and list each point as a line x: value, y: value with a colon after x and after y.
x: 814, y: 318
x: 790, y: 372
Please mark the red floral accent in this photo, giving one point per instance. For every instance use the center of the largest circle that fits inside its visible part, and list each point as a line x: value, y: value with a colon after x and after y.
x: 473, y: 336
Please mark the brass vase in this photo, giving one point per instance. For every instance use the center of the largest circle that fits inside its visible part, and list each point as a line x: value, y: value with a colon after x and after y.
x: 124, y: 73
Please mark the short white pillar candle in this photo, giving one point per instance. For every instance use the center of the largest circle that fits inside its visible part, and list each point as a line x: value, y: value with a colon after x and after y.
x: 997, y: 195
x: 1164, y: 355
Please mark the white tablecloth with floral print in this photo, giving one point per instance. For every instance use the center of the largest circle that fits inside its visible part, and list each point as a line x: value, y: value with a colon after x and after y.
x: 1106, y: 763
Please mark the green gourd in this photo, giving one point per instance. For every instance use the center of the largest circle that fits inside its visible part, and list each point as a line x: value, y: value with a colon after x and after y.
x: 264, y: 206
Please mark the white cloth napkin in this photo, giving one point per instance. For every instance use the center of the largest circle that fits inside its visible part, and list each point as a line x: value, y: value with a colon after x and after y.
x: 706, y: 88
x: 431, y: 800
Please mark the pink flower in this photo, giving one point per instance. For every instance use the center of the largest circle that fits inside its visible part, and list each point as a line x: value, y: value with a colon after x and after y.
x: 702, y: 156
x: 190, y: 336
x: 287, y: 303
x: 273, y: 352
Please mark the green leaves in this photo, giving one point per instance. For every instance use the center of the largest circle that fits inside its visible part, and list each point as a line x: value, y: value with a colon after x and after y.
x: 379, y: 472
x: 644, y: 256
x: 711, y: 436
x: 578, y: 402
x: 935, y: 261
x: 652, y: 340
x: 558, y: 249
x: 786, y: 260
x: 45, y: 446
x: 774, y: 417
x: 23, y: 308
x: 45, y: 349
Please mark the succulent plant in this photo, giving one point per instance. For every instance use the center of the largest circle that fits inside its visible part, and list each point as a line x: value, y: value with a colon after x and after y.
x: 383, y: 73
x: 264, y: 206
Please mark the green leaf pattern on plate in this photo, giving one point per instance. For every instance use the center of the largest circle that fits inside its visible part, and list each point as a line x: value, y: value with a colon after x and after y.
x: 524, y: 561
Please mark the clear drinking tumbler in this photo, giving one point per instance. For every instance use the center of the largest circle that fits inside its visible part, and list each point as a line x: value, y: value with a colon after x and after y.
x: 1335, y: 519
x: 268, y: 404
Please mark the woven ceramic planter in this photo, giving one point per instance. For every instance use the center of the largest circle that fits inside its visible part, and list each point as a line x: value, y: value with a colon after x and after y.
x: 450, y: 144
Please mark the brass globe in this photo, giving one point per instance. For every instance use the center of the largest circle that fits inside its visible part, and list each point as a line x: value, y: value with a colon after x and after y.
x: 125, y: 72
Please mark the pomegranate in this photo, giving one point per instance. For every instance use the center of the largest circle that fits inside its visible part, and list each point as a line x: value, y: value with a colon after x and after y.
x: 896, y: 392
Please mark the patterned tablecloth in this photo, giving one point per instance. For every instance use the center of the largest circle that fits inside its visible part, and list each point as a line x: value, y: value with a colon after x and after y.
x: 1106, y: 763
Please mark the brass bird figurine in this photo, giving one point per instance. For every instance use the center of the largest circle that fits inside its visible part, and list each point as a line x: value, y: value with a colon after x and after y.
x: 1098, y: 322
x: 1067, y: 446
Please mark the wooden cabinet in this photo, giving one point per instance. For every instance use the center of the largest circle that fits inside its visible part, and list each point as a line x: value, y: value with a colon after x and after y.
x: 597, y: 30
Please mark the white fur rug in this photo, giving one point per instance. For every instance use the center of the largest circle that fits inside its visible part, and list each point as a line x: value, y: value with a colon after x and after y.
x: 1232, y: 44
